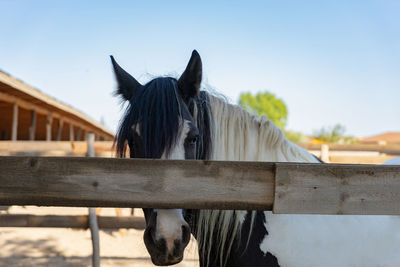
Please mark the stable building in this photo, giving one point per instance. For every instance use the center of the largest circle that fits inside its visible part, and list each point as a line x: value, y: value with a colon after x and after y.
x: 382, y: 139
x: 28, y: 114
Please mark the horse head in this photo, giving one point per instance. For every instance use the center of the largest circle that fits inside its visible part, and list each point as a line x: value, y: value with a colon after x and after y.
x: 159, y: 124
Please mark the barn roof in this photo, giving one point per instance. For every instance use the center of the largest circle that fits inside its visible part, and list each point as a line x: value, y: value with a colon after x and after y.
x: 388, y: 137
x: 13, y: 90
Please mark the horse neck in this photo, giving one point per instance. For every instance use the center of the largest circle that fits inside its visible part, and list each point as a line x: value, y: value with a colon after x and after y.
x: 239, y: 135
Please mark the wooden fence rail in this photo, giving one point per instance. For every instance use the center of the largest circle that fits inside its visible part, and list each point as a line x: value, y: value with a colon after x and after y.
x: 391, y: 149
x: 281, y: 187
x: 69, y: 221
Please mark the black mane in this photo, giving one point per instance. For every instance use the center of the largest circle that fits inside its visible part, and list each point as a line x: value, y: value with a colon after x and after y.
x: 157, y: 110
x: 199, y: 107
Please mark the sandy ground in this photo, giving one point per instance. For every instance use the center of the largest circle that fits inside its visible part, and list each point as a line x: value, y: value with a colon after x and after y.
x: 68, y: 247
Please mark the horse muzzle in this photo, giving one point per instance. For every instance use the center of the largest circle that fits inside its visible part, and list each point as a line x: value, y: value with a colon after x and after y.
x: 165, y: 251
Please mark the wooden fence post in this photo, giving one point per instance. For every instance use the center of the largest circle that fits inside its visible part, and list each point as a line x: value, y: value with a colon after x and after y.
x: 90, y: 145
x: 325, y: 153
x: 94, y: 230
x: 94, y: 227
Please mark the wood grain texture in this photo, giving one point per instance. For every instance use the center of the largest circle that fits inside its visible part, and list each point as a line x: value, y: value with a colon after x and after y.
x: 300, y: 188
x: 73, y: 221
x: 100, y: 182
x: 337, y: 189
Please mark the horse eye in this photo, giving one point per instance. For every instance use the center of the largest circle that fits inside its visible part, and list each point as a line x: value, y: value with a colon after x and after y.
x: 192, y: 140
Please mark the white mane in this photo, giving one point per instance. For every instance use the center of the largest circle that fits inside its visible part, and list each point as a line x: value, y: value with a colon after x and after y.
x: 239, y: 135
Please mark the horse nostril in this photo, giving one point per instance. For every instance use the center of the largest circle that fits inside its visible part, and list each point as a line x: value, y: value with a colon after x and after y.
x: 185, y: 234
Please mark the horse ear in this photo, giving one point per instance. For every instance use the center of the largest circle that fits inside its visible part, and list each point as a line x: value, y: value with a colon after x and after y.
x: 189, y: 82
x: 127, y: 85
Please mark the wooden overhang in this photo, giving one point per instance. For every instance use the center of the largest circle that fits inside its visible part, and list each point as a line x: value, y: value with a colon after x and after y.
x: 28, y: 114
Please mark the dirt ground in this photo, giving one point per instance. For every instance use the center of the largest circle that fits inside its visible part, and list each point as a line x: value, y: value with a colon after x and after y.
x: 68, y: 247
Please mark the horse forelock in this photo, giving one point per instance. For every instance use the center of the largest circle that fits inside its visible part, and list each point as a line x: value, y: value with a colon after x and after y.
x: 156, y: 111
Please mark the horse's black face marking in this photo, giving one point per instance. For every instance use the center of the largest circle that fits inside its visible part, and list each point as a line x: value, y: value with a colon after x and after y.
x: 159, y: 124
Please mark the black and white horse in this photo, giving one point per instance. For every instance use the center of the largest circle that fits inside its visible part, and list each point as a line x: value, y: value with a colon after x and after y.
x: 171, y: 118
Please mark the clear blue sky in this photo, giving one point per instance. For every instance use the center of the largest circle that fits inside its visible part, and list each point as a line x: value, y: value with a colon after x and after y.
x: 330, y: 61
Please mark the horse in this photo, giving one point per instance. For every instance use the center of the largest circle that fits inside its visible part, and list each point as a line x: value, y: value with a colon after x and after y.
x: 172, y: 118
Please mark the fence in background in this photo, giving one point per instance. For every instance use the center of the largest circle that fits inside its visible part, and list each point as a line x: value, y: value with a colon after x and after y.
x: 54, y: 148
x: 354, y: 153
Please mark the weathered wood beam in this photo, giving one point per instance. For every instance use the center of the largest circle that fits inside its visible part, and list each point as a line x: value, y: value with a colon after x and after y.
x: 14, y: 126
x: 69, y: 221
x: 337, y: 189
x: 100, y: 182
x: 285, y: 187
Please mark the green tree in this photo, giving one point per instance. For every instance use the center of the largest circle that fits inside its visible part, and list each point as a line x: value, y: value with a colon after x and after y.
x: 265, y: 103
x: 334, y: 134
x: 296, y: 137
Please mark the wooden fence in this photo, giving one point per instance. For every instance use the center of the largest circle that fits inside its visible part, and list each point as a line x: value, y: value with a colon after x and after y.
x: 91, y: 221
x: 354, y: 153
x: 54, y: 148
x: 66, y: 221
x: 390, y: 149
x: 281, y: 187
